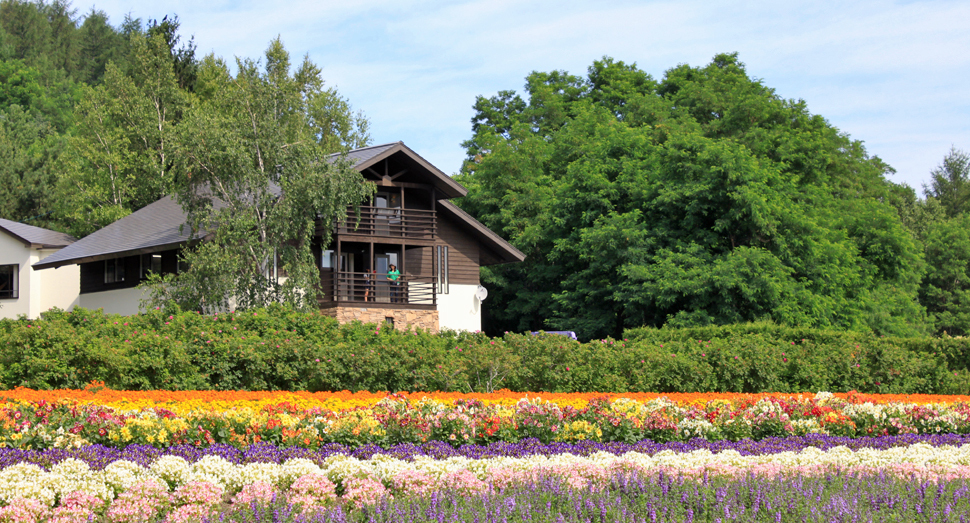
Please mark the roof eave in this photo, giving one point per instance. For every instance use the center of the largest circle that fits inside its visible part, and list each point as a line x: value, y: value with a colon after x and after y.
x: 507, y: 251
x: 41, y: 265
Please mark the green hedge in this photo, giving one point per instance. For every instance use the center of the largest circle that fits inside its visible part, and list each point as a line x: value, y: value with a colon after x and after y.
x: 276, y: 348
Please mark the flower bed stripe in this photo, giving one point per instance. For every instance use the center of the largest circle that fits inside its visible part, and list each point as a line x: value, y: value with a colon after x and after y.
x: 170, y: 483
x: 96, y: 394
x: 396, y: 419
x: 97, y: 457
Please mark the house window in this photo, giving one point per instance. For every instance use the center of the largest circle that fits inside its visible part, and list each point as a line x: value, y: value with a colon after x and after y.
x: 114, y: 270
x: 150, y: 264
x: 9, y: 278
x: 328, y: 259
x: 442, y: 269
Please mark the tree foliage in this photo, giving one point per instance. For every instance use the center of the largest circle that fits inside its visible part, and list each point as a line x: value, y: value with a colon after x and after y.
x: 256, y: 180
x: 950, y: 183
x: 704, y: 198
x: 123, y: 145
x: 946, y: 288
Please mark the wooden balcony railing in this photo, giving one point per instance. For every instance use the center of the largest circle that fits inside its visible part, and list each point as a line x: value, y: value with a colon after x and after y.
x: 398, y: 223
x: 359, y: 288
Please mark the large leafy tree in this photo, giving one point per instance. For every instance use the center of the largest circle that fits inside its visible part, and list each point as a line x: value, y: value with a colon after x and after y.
x: 255, y: 176
x: 703, y: 198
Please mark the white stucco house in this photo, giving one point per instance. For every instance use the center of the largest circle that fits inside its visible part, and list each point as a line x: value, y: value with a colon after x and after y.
x: 24, y: 291
x: 409, y: 224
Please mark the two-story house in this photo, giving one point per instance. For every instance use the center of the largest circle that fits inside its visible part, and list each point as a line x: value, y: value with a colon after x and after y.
x: 409, y: 224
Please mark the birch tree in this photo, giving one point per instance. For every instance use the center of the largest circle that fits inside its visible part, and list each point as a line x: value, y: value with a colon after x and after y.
x: 256, y: 177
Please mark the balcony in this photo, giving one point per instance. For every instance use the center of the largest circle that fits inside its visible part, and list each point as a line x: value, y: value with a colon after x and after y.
x: 393, y: 223
x: 360, y: 289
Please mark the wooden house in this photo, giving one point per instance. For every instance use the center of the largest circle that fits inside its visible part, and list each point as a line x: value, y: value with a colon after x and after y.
x: 410, y: 224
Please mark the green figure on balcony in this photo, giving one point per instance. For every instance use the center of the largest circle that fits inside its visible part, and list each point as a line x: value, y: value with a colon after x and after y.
x: 393, y: 276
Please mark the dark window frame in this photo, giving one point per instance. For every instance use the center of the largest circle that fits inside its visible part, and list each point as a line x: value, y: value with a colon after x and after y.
x: 114, y: 270
x: 14, y: 292
x: 146, y: 265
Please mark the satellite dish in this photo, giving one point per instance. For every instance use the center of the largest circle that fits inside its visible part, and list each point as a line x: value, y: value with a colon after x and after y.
x: 481, y: 293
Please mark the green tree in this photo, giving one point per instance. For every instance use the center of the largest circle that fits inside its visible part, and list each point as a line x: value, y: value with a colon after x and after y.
x: 946, y: 287
x: 703, y: 198
x: 256, y: 181
x: 32, y: 119
x: 950, y: 183
x: 100, y: 44
x: 28, y: 148
x: 184, y: 64
x: 122, y: 149
x: 44, y: 35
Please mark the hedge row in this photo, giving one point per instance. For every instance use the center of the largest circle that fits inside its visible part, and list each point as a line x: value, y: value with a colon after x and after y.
x: 276, y: 348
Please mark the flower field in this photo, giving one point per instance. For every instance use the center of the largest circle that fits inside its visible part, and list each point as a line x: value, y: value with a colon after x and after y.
x: 118, y: 456
x: 70, y: 419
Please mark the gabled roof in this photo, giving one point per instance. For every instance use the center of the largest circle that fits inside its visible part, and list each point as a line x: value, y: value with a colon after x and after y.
x: 152, y: 228
x: 36, y: 237
x: 507, y: 253
x: 366, y: 157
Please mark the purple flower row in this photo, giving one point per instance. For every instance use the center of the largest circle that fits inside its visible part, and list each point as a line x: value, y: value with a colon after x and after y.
x: 635, y: 498
x: 98, y: 456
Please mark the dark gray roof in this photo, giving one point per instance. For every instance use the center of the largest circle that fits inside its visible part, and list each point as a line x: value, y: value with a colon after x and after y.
x: 152, y: 228
x: 36, y: 236
x: 368, y: 156
x: 365, y: 154
x: 506, y: 252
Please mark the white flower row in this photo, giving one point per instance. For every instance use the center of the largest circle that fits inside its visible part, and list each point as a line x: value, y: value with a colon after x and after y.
x: 30, y: 481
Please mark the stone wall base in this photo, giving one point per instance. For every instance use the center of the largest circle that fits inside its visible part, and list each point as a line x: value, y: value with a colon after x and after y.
x: 403, y: 319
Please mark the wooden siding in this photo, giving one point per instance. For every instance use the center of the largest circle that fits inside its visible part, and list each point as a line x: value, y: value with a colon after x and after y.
x: 417, y: 261
x: 462, y: 252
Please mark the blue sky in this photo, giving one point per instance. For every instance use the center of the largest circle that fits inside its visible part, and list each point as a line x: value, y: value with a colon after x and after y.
x: 895, y: 75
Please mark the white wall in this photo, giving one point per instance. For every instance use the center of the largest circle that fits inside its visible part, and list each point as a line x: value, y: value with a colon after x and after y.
x: 58, y: 287
x: 13, y: 251
x: 121, y: 301
x: 460, y: 310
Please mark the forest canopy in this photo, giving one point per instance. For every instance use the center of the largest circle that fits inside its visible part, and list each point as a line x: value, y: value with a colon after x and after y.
x: 700, y: 198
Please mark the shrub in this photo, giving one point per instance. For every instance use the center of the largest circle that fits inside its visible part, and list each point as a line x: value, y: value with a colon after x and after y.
x: 281, y: 349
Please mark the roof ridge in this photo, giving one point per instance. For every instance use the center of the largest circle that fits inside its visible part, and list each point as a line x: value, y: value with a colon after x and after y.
x: 366, y: 148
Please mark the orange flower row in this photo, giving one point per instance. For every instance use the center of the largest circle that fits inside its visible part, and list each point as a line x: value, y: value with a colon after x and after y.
x: 96, y: 393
